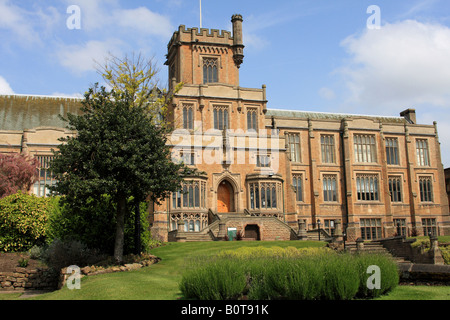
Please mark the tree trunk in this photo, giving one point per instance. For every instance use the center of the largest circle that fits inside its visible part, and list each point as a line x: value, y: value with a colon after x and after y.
x: 137, y: 229
x: 120, y: 226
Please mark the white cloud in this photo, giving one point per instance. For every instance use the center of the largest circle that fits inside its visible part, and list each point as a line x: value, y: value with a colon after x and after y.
x: 144, y: 21
x: 108, y: 17
x: 5, y: 88
x: 95, y: 15
x: 401, y: 65
x: 82, y: 58
x: 404, y: 63
x: 14, y: 20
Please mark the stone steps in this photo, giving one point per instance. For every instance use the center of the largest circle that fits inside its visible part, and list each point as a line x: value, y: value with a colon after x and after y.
x: 374, y: 247
x: 193, y: 237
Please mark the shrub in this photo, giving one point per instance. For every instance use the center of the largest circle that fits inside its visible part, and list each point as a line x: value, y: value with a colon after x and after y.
x: 23, y: 263
x: 36, y: 252
x: 445, y: 254
x: 219, y: 279
x: 23, y: 221
x: 60, y: 254
x: 290, y: 273
x: 388, y: 274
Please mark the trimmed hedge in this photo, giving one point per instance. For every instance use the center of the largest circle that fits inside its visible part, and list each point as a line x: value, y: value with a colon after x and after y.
x: 290, y: 273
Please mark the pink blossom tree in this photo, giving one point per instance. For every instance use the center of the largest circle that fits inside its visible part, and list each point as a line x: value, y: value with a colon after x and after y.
x: 17, y: 172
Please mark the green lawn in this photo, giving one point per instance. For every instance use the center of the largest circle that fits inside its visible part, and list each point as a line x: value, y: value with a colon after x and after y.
x: 160, y: 281
x: 418, y: 293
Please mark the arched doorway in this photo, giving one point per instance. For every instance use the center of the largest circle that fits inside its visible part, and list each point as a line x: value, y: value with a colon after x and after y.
x: 252, y: 232
x: 225, y: 199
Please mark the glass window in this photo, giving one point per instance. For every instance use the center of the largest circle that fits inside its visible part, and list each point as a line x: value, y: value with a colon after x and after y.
x: 294, y: 147
x: 365, y: 148
x: 426, y: 189
x: 210, y: 70
x: 400, y: 225
x: 429, y: 226
x: 188, y: 158
x: 329, y: 226
x: 329, y: 188
x: 297, y: 183
x: 263, y: 161
x: 45, y: 177
x: 264, y: 195
x: 370, y: 229
x: 392, y: 151
x: 188, y: 117
x: 327, y: 146
x: 220, y: 115
x: 251, y: 120
x: 274, y: 197
x: 367, y: 187
x: 395, y: 189
x: 422, y: 152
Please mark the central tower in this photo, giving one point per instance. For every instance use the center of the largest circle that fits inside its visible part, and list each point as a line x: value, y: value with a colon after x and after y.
x: 206, y: 56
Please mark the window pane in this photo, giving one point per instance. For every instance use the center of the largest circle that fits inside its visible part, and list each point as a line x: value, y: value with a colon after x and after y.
x: 252, y: 197
x: 220, y: 116
x: 257, y: 197
x: 225, y: 119
x: 263, y: 197
x: 216, y: 120
x: 197, y: 197
x: 191, y: 120
x: 274, y: 197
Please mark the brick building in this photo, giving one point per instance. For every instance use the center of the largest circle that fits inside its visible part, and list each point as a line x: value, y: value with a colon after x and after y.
x: 266, y: 174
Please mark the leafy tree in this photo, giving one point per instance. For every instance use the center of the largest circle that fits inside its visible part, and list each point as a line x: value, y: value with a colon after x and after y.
x: 136, y: 76
x: 17, y: 172
x: 118, y: 151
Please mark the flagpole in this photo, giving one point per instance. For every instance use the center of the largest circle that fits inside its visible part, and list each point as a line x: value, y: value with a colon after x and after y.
x: 200, y: 14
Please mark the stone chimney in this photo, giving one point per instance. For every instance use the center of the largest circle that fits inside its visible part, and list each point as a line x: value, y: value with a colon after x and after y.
x: 238, y: 44
x: 410, y: 115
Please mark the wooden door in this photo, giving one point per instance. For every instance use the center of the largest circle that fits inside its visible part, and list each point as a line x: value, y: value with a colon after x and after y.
x: 224, y: 197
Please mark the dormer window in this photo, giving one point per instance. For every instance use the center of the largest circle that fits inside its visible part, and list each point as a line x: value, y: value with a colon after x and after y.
x: 210, y: 70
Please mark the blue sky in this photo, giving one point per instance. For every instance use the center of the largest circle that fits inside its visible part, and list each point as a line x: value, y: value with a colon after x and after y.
x: 317, y: 55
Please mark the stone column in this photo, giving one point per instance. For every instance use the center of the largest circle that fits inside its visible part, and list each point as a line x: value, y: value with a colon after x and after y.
x: 338, y: 230
x: 435, y: 252
x: 359, y: 244
x: 222, y: 230
x: 302, y: 235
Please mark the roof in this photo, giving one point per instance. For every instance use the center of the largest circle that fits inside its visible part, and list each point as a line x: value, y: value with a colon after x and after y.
x: 21, y: 112
x: 293, y: 114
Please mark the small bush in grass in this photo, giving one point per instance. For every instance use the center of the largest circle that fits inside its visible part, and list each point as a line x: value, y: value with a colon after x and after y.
x: 60, y: 254
x: 388, y: 274
x: 278, y: 273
